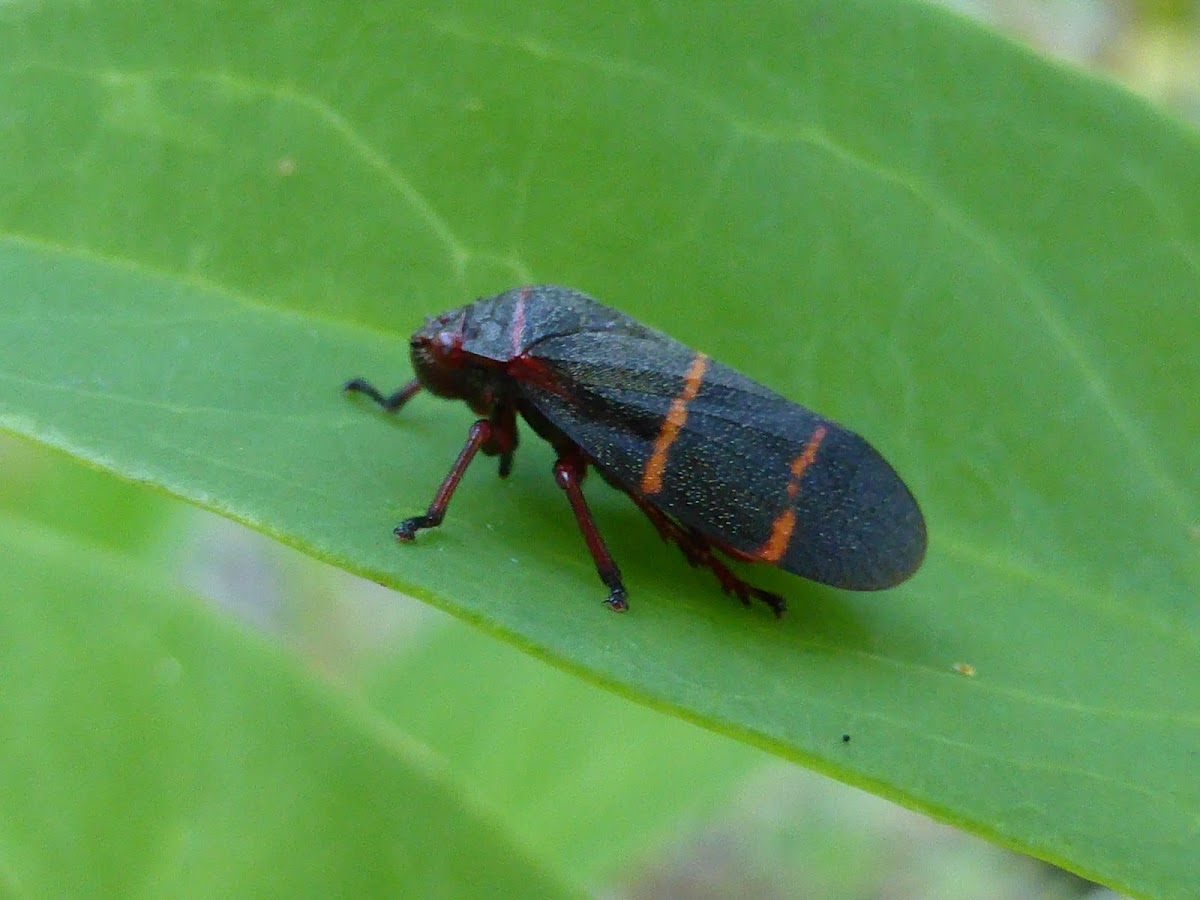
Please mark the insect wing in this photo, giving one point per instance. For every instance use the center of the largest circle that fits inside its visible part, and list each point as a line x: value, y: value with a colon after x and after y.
x: 721, y: 453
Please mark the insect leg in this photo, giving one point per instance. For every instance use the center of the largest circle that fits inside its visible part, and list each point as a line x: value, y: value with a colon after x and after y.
x: 390, y: 403
x: 568, y: 473
x: 503, y: 442
x: 699, y: 552
x: 480, y: 434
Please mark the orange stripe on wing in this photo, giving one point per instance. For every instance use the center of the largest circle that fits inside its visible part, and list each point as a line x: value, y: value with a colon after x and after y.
x: 785, y: 523
x: 672, y: 425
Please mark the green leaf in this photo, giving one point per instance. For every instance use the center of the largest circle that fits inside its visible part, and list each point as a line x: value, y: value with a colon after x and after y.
x: 214, y: 213
x: 54, y: 489
x: 151, y: 748
x: 587, y: 779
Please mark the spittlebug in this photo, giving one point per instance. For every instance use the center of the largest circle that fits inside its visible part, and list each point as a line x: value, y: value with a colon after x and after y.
x: 715, y: 460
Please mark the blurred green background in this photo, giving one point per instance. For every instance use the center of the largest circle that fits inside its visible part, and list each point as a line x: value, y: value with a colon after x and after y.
x: 532, y: 742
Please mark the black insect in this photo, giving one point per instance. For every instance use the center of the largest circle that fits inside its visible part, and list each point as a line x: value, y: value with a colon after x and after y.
x: 715, y: 460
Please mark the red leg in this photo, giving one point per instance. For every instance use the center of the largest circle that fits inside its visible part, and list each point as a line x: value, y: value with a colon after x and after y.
x: 503, y: 442
x: 481, y: 432
x: 569, y: 472
x: 699, y: 552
